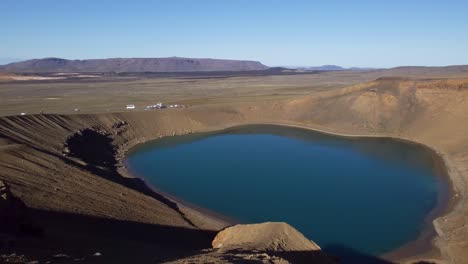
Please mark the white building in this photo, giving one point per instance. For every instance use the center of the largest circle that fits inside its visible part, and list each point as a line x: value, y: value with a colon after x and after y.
x: 155, y: 106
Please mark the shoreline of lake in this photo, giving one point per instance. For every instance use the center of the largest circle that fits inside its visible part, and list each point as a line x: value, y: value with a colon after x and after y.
x: 418, y: 247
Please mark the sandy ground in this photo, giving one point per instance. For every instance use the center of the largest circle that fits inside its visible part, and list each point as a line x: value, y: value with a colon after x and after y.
x: 427, y: 111
x: 8, y: 77
x: 112, y: 94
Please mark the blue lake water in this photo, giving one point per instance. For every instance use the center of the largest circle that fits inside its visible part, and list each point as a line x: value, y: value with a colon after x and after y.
x: 371, y: 195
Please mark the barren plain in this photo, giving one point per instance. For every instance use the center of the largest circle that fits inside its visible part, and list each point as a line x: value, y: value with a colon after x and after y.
x: 84, y: 206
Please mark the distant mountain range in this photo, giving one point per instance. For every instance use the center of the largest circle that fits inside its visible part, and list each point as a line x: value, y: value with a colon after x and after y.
x: 187, y: 65
x: 172, y: 64
x: 327, y: 68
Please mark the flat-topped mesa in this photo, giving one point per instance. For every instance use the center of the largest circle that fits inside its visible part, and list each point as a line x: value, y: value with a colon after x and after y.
x: 172, y: 64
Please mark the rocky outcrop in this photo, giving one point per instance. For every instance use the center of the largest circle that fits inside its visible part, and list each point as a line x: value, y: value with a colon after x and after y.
x: 272, y: 242
x: 270, y: 236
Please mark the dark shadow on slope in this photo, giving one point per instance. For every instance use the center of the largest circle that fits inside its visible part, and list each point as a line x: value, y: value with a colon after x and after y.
x: 95, y: 148
x: 304, y: 257
x: 92, y: 143
x: 80, y: 237
x: 297, y: 257
x: 348, y: 255
x: 236, y: 258
x: 15, y: 218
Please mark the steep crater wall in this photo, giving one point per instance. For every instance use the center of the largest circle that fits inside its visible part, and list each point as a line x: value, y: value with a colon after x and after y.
x: 49, y: 164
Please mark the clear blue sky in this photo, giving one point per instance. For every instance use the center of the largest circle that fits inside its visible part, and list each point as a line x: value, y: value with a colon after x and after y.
x: 349, y: 33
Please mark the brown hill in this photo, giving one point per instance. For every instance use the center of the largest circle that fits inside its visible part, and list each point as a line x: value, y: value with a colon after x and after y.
x: 43, y: 168
x: 425, y: 72
x: 173, y: 64
x: 268, y: 236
